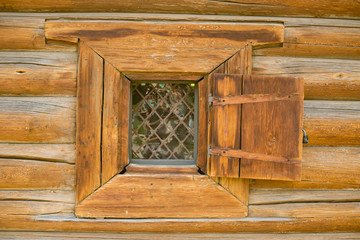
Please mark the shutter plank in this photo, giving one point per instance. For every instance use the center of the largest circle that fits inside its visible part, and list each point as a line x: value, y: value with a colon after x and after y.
x: 88, y: 122
x: 272, y: 128
x: 226, y: 118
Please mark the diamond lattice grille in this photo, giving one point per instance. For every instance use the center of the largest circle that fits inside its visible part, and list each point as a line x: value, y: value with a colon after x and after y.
x: 163, y: 121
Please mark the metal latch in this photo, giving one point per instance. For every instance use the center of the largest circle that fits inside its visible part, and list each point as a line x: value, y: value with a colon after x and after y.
x: 305, y: 137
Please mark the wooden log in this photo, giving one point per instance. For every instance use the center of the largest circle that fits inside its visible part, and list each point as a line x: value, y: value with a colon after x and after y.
x: 22, y: 33
x: 18, y: 207
x: 311, y: 51
x: 323, y: 168
x: 38, y: 73
x: 277, y: 196
x: 27, y: 174
x: 177, y: 236
x: 306, y: 210
x: 323, y: 8
x: 327, y: 79
x: 88, y: 121
x: 46, y: 152
x: 37, y: 119
x: 39, y: 195
x: 332, y: 123
x: 247, y: 225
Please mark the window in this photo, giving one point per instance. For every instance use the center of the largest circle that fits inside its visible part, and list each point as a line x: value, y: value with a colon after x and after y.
x: 163, y: 123
x: 247, y: 138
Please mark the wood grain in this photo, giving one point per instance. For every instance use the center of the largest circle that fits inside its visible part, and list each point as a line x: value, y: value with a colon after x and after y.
x: 324, y: 79
x: 19, y: 207
x: 115, y: 123
x: 67, y: 196
x: 245, y: 225
x: 187, y: 236
x: 321, y: 170
x: 278, y: 196
x: 22, y: 33
x: 38, y: 73
x: 37, y: 119
x: 332, y: 123
x: 323, y: 8
x: 161, y: 196
x: 27, y: 174
x: 203, y: 121
x: 88, y: 122
x: 272, y: 128
x: 306, y: 210
x: 46, y: 152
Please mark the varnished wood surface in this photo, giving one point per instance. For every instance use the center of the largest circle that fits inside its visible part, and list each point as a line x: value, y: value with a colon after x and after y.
x: 88, y: 122
x: 323, y: 8
x: 161, y: 196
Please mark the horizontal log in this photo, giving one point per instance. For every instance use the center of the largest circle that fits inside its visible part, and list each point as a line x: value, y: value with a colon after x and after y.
x: 39, y: 195
x: 324, y: 79
x: 323, y: 168
x: 27, y: 174
x: 45, y: 152
x: 311, y: 51
x: 306, y: 210
x: 323, y: 8
x: 35, y: 208
x: 332, y: 123
x: 177, y: 236
x: 22, y: 33
x: 276, y: 196
x: 37, y: 119
x: 38, y: 73
x: 247, y: 225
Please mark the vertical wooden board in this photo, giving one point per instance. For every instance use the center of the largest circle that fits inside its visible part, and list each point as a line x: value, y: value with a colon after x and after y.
x: 226, y: 119
x: 110, y: 130
x: 272, y: 128
x: 203, y: 125
x: 88, y: 121
x: 124, y: 122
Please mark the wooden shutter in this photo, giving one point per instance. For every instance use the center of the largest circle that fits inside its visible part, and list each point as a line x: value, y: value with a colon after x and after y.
x: 257, y: 127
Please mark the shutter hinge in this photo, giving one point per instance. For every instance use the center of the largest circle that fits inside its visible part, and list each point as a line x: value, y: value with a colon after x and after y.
x: 209, y: 150
x: 211, y: 100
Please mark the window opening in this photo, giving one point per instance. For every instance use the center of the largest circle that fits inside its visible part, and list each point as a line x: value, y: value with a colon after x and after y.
x: 163, y: 123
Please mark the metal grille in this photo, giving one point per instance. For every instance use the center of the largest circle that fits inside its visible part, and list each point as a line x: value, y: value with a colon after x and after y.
x: 163, y: 121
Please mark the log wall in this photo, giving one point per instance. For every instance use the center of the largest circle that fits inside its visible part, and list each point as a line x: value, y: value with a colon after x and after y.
x: 37, y: 116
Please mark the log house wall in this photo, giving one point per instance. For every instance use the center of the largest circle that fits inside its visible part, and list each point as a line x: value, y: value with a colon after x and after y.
x: 37, y: 117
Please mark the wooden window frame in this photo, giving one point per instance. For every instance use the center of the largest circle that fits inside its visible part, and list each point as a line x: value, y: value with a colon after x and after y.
x: 99, y: 162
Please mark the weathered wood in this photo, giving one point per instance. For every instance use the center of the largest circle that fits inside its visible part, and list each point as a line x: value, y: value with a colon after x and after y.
x: 323, y: 168
x: 161, y: 196
x: 19, y: 207
x: 115, y: 123
x: 321, y: 35
x: 311, y: 51
x: 88, y: 122
x: 37, y: 119
x: 186, y: 236
x: 189, y: 49
x: 277, y: 196
x: 247, y: 225
x: 343, y: 9
x: 46, y: 152
x: 27, y: 174
x: 202, y: 138
x: 272, y: 128
x: 226, y: 130
x: 39, y: 195
x: 38, y: 73
x: 332, y: 123
x: 328, y: 79
x: 306, y: 210
x: 22, y: 33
